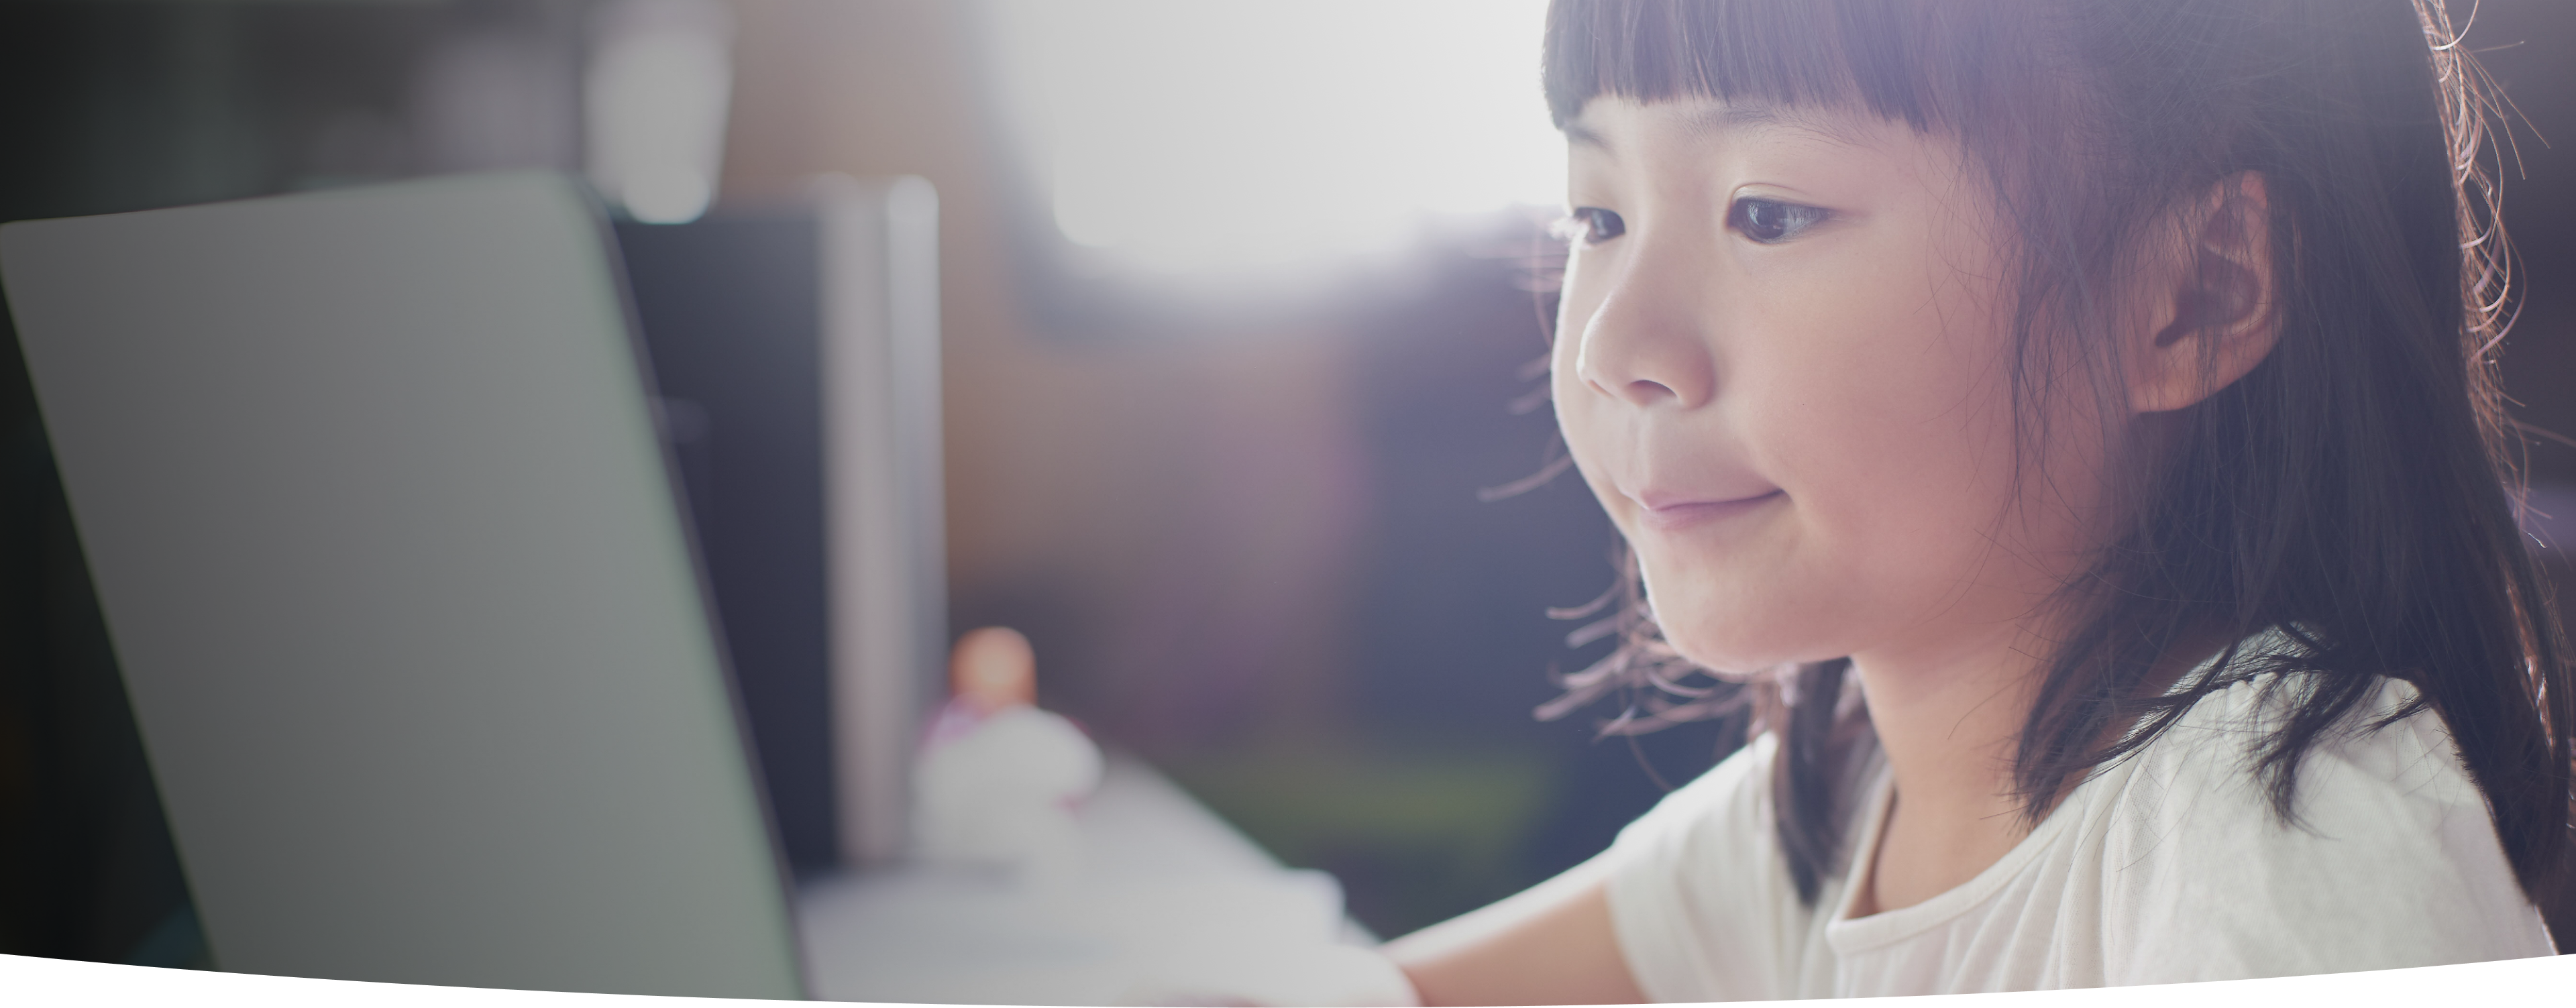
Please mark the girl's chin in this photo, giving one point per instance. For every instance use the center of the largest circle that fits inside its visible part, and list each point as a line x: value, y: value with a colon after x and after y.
x: 1738, y: 626
x: 1735, y: 651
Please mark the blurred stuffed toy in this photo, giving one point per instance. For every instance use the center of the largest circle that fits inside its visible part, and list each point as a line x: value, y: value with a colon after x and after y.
x: 999, y: 780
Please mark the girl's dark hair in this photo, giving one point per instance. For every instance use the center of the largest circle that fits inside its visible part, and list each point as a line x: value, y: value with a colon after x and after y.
x: 2357, y: 492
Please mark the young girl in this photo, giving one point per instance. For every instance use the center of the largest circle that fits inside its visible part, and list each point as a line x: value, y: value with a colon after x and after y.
x: 2070, y: 427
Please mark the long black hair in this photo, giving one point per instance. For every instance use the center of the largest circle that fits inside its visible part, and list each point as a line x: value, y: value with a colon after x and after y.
x: 2357, y: 492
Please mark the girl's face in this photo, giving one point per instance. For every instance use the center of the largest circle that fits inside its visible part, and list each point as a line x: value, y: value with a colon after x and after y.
x: 1783, y: 364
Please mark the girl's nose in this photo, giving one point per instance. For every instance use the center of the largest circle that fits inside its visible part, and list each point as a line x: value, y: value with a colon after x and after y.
x: 1643, y: 344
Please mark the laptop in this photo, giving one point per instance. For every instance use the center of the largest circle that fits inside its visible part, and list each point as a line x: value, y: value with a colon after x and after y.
x: 402, y: 591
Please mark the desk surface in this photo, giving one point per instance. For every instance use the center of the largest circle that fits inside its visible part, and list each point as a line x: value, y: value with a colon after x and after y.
x: 1161, y: 878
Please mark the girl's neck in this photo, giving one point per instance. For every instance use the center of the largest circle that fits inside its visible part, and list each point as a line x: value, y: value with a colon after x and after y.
x: 1949, y: 718
x: 1947, y: 715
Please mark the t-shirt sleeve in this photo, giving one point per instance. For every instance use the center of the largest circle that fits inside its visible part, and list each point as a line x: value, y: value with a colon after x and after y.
x: 2392, y: 862
x: 1699, y: 897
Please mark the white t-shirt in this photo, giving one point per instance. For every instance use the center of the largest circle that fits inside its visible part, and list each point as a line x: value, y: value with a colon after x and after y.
x: 2167, y: 867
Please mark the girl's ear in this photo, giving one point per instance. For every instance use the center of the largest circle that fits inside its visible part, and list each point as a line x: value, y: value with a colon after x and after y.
x: 2210, y: 313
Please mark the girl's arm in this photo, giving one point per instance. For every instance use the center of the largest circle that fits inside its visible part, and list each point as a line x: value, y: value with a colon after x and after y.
x: 1549, y: 945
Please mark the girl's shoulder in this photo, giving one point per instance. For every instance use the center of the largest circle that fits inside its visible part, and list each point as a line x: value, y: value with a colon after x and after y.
x: 2387, y: 856
x: 1726, y: 815
x: 1733, y: 805
x: 1700, y: 902
x: 2388, y: 755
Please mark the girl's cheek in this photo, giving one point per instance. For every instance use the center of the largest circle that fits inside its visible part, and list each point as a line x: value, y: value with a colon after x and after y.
x: 1577, y: 413
x: 1578, y: 419
x: 1846, y: 403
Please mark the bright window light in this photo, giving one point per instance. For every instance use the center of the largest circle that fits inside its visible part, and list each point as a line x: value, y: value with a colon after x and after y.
x: 1251, y: 137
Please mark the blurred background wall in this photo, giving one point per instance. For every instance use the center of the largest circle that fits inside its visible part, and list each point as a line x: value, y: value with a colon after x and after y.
x: 1237, y: 512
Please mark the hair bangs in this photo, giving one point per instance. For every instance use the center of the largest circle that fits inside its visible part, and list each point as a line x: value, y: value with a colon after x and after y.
x: 1824, y: 53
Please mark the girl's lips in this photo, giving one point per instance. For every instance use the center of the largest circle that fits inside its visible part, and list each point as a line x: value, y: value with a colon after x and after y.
x: 1677, y: 516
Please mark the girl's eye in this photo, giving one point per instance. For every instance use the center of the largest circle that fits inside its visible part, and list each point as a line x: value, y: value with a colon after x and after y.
x: 1590, y: 226
x: 1771, y: 222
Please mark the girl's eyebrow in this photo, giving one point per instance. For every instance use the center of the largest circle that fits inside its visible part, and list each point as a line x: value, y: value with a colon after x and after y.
x: 1582, y: 136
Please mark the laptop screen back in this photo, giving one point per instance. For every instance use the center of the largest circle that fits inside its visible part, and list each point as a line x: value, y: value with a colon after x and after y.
x: 389, y: 553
